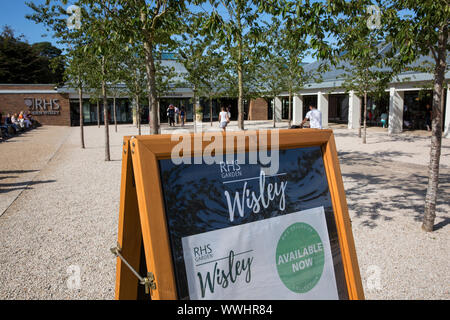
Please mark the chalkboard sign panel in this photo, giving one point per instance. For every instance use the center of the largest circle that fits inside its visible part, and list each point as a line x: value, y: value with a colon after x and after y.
x: 235, y: 229
x: 201, y: 198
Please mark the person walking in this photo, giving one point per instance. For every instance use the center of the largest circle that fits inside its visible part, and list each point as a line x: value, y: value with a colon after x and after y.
x: 171, y: 114
x: 384, y: 119
x: 223, y: 119
x: 182, y: 115
x: 177, y: 114
x: 315, y: 118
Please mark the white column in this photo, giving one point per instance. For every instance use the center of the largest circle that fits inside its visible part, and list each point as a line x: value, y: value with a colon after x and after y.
x: 277, y: 107
x: 354, y: 111
x: 396, y: 104
x: 322, y: 106
x: 447, y: 116
x: 297, y: 109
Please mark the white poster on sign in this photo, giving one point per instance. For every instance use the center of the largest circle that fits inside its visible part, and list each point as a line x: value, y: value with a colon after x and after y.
x: 286, y: 257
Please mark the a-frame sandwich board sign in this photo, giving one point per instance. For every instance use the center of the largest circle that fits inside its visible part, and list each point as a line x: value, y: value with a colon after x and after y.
x: 236, y: 215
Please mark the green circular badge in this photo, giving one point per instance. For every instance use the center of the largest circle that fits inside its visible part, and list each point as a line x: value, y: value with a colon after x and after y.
x: 300, y: 257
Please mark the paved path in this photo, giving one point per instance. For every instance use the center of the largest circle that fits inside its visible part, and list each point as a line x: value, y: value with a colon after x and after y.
x: 67, y: 216
x: 22, y: 158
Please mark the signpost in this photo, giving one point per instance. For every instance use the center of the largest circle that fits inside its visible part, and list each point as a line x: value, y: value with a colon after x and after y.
x: 266, y: 219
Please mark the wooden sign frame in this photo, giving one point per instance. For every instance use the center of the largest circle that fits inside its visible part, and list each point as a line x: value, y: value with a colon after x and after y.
x: 143, y: 237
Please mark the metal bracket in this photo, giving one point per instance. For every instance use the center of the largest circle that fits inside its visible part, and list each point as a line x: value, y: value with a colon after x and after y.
x: 148, y: 282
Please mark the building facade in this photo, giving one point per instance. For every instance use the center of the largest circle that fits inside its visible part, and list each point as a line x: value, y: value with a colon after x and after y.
x: 404, y: 103
x: 45, y: 103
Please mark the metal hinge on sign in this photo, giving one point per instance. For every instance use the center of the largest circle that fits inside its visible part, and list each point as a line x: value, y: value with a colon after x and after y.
x: 148, y: 282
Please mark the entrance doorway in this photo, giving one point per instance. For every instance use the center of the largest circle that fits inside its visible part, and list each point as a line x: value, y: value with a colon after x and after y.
x: 338, y: 108
x: 310, y: 100
x: 415, y: 109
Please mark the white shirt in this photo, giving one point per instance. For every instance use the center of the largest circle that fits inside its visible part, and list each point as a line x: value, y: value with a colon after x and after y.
x: 223, y: 116
x: 315, y: 118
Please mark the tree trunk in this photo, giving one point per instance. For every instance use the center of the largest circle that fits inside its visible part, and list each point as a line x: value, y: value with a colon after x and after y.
x: 210, y: 111
x: 436, y: 135
x: 105, y: 114
x: 151, y: 71
x: 359, y: 123
x: 365, y: 117
x: 115, y: 114
x: 80, y: 94
x: 240, y: 73
x: 98, y: 112
x: 136, y: 98
x: 290, y: 108
x: 274, y: 113
x: 138, y: 115
x: 240, y: 101
x: 195, y: 109
x: 106, y: 121
x: 158, y: 114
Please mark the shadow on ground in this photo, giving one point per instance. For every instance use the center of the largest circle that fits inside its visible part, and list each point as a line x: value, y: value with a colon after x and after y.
x: 8, y: 187
x: 378, y: 189
x: 381, y: 137
x: 17, y: 171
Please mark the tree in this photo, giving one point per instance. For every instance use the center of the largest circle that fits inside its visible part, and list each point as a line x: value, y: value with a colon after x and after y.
x: 75, y: 75
x: 50, y: 63
x: 103, y: 43
x: 78, y: 63
x: 212, y: 79
x: 21, y: 62
x: 237, y: 30
x: 203, y: 60
x: 413, y: 27
x: 165, y: 78
x: 271, y: 67
x: 291, y: 48
x: 79, y: 68
x: 98, y: 38
x: 363, y: 60
x: 132, y: 72
x: 192, y: 54
x: 116, y: 92
x: 422, y: 32
x: 271, y: 83
x: 149, y: 25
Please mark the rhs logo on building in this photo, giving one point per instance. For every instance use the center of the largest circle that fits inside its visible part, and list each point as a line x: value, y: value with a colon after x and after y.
x: 38, y: 106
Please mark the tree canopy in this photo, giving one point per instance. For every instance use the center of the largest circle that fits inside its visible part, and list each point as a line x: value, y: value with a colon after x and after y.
x: 21, y: 62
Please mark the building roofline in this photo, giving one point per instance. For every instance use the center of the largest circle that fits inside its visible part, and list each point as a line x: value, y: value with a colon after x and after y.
x: 28, y: 84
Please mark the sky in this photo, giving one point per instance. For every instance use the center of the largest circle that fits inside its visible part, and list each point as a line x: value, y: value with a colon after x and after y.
x: 12, y: 13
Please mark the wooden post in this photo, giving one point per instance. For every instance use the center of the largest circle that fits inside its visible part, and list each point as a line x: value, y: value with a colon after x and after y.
x: 129, y: 235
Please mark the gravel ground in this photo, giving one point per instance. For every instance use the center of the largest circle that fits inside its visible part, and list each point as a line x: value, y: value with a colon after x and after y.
x: 63, y: 213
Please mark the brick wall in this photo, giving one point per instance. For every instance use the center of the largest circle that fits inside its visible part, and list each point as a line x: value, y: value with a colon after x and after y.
x: 15, y: 103
x: 258, y: 109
